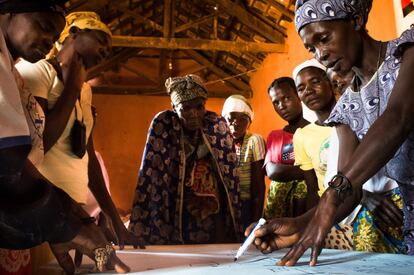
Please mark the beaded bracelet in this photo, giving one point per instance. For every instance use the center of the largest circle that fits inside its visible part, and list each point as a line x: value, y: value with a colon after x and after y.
x: 343, y: 188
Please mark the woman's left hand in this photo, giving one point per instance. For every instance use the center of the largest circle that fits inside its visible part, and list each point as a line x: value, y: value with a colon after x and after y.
x: 315, y: 232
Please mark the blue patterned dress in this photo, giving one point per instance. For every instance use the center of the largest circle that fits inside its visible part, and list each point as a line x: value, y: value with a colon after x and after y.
x: 160, y: 213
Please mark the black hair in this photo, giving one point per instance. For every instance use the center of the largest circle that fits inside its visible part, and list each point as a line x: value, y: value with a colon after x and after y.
x: 280, y: 81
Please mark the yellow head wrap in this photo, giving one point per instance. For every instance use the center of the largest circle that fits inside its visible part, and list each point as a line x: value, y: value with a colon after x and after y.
x: 83, y: 20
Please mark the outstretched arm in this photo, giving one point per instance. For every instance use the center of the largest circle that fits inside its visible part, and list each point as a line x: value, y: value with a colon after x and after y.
x: 283, y: 172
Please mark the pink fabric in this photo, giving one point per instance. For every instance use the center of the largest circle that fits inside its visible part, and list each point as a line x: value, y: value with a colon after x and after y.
x: 277, y: 141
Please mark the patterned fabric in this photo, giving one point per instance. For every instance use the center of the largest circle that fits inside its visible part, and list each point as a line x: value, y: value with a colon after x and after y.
x: 311, y: 144
x: 15, y: 262
x: 181, y: 89
x: 361, y: 109
x: 253, y: 149
x: 309, y: 11
x: 83, y: 20
x: 370, y: 236
x: 281, y: 196
x: 340, y: 237
x: 157, y: 215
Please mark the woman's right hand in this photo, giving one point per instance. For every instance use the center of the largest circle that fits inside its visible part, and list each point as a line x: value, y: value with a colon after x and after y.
x: 277, y: 234
x: 73, y: 72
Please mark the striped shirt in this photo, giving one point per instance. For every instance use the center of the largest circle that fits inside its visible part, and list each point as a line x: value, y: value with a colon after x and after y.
x: 253, y: 149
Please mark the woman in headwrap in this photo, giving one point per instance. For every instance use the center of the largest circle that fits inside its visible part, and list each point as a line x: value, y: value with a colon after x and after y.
x: 250, y: 150
x: 188, y: 187
x: 58, y: 84
x: 376, y: 110
x: 32, y: 210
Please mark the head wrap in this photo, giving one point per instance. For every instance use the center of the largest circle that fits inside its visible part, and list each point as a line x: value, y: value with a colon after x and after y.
x: 181, y: 89
x: 308, y: 63
x: 309, y: 11
x: 83, y: 20
x: 21, y: 6
x: 237, y: 103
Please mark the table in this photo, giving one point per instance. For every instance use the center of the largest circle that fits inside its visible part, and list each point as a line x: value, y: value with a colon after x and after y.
x: 217, y: 259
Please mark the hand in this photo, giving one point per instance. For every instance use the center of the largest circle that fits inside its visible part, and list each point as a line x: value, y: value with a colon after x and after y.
x: 118, y: 233
x: 91, y: 242
x: 276, y: 234
x: 73, y: 72
x: 315, y: 232
x: 383, y: 209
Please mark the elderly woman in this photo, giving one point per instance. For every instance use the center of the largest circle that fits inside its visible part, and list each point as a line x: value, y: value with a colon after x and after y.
x: 375, y: 110
x: 188, y: 188
x: 250, y: 150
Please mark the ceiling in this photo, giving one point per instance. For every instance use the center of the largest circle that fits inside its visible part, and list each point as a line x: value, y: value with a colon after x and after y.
x: 222, y: 41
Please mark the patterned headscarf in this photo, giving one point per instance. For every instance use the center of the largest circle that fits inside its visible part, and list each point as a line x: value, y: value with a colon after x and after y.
x: 21, y: 6
x: 83, y: 20
x: 309, y: 11
x: 181, y: 89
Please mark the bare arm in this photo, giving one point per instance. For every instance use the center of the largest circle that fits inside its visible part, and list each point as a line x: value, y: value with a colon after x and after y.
x: 283, y: 172
x: 257, y: 189
x: 56, y: 118
x: 312, y: 197
x: 100, y: 192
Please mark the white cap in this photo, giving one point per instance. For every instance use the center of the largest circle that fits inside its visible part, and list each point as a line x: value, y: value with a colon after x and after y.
x: 237, y: 103
x: 308, y: 63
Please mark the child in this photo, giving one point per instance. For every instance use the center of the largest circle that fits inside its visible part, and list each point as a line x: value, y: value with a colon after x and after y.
x: 250, y: 150
x: 287, y: 192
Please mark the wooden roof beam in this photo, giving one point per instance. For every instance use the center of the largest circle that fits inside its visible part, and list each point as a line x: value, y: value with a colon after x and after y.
x: 194, y: 23
x: 238, y: 84
x: 250, y: 20
x: 197, y: 44
x: 142, y: 19
x: 156, y: 91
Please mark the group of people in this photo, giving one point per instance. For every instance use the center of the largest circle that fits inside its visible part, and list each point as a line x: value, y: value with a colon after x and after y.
x: 344, y: 173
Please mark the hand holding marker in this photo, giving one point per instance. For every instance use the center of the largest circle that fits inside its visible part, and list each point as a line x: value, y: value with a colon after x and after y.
x: 249, y: 239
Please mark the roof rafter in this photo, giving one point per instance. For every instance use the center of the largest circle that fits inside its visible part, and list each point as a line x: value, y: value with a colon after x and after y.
x: 196, y: 44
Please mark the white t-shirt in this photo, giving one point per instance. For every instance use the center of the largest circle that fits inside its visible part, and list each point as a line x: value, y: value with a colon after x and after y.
x: 60, y: 166
x: 14, y: 130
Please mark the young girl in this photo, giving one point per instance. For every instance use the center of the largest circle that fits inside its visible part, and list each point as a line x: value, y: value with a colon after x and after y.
x: 287, y: 192
x: 250, y: 150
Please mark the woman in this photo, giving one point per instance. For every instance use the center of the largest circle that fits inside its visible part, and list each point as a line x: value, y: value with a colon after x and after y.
x: 32, y: 210
x: 383, y: 80
x: 287, y: 191
x: 188, y: 188
x: 250, y: 150
x: 70, y: 161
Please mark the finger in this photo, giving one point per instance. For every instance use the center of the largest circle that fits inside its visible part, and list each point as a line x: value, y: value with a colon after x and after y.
x: 386, y: 214
x: 249, y: 229
x: 316, y: 251
x: 294, y: 254
x: 64, y: 260
x: 78, y: 258
x: 118, y: 265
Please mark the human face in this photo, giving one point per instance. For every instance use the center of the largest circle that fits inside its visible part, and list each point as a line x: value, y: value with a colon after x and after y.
x: 314, y: 88
x: 335, y: 44
x: 286, y: 102
x: 340, y: 82
x: 191, y: 113
x: 31, y: 35
x: 93, y: 46
x: 238, y: 123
